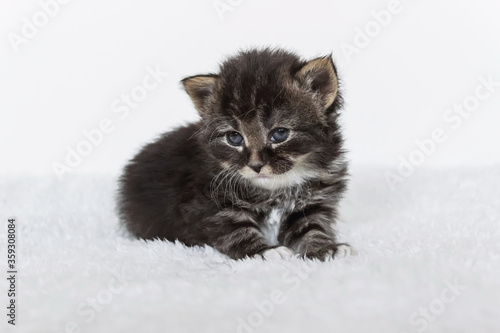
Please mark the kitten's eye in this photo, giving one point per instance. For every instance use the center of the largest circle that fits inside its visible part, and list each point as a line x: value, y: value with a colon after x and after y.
x: 234, y: 138
x: 279, y: 135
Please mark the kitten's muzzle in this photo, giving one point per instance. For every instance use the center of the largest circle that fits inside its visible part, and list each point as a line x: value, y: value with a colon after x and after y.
x: 256, y: 166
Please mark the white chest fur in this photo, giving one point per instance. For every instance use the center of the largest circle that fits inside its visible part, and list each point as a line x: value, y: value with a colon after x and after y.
x: 272, y: 223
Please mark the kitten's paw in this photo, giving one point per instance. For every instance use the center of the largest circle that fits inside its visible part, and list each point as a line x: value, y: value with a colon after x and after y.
x: 280, y: 252
x: 333, y: 251
x: 344, y: 251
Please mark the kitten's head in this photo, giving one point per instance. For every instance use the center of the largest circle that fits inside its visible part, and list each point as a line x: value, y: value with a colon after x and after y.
x: 270, y: 116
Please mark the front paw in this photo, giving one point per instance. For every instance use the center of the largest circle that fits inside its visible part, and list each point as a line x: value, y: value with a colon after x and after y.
x: 280, y: 252
x: 329, y: 251
x: 345, y: 250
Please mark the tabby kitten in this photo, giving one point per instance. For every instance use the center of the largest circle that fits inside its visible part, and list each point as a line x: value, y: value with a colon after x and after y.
x: 261, y: 173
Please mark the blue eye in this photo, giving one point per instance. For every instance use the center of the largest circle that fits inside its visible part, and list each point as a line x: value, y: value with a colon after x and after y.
x: 234, y: 138
x: 280, y: 135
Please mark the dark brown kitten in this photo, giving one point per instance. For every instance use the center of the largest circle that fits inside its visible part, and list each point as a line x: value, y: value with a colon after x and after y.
x: 261, y: 173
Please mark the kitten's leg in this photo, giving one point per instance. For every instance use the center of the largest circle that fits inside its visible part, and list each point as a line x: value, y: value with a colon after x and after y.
x: 280, y: 252
x: 236, y: 234
x: 309, y: 232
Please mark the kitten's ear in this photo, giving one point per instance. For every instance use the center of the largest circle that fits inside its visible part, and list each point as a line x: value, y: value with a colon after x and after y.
x: 200, y: 88
x: 320, y: 76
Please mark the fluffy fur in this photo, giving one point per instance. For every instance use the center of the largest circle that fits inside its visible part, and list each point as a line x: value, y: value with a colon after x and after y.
x: 264, y: 167
x: 440, y: 225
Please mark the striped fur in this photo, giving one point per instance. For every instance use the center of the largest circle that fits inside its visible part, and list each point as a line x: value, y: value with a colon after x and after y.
x: 194, y: 185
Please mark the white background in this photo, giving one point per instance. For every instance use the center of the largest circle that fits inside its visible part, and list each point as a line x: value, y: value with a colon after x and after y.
x: 397, y: 88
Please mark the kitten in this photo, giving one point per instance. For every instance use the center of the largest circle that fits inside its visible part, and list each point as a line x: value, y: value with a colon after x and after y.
x: 261, y: 173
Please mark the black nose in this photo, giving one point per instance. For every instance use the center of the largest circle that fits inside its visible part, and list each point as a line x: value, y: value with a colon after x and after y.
x: 256, y: 166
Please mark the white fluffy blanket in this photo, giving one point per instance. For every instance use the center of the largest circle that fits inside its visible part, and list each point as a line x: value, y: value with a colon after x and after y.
x: 429, y: 261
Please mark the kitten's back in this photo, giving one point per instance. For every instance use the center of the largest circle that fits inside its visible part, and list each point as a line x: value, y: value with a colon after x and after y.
x: 165, y: 177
